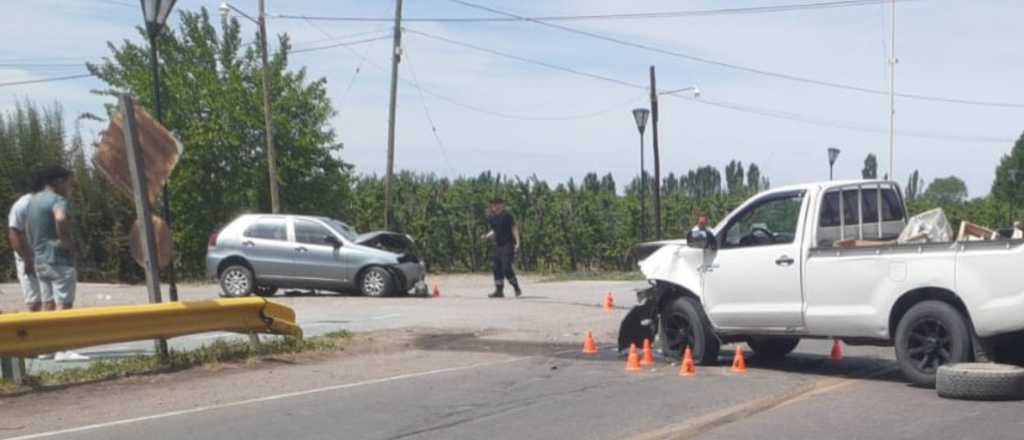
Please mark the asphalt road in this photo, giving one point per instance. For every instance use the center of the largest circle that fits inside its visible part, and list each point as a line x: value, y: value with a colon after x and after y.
x: 464, y: 367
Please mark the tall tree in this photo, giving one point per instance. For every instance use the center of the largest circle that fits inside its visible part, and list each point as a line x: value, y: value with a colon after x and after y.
x: 706, y: 181
x: 754, y: 178
x: 914, y: 184
x: 1009, y: 179
x: 947, y: 191
x: 734, y: 177
x: 212, y: 101
x: 870, y: 170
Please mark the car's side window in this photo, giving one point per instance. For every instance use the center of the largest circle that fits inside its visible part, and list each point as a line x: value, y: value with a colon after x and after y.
x: 309, y: 232
x: 772, y: 221
x: 268, y: 229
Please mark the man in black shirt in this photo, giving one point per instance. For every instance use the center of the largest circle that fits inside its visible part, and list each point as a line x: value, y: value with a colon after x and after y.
x: 505, y: 233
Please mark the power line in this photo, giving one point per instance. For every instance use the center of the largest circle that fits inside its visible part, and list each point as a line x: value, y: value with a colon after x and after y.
x: 478, y: 109
x: 621, y: 16
x: 430, y: 119
x: 45, y: 80
x: 777, y: 114
x: 40, y: 65
x: 616, y: 107
x: 342, y: 44
x: 117, y: 3
x: 523, y: 59
x: 747, y: 69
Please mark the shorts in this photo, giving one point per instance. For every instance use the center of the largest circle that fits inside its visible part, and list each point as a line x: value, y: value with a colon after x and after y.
x: 57, y: 283
x: 29, y: 282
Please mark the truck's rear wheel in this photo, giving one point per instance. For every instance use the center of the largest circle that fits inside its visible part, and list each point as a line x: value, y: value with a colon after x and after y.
x: 683, y: 324
x: 931, y: 334
x: 773, y: 347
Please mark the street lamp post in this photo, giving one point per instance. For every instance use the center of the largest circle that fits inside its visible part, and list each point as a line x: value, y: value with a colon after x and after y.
x: 156, y: 12
x: 640, y: 116
x: 833, y: 154
x: 261, y: 21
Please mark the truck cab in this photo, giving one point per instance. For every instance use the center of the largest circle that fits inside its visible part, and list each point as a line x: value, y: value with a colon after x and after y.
x: 823, y: 260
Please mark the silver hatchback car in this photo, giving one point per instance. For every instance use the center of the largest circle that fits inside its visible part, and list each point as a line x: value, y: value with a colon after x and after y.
x: 259, y: 253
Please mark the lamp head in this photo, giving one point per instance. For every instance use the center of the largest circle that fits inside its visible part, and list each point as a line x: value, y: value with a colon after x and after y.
x: 156, y: 13
x: 640, y: 116
x: 833, y: 154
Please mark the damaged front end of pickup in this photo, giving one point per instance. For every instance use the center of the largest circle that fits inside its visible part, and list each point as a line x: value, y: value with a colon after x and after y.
x: 671, y: 268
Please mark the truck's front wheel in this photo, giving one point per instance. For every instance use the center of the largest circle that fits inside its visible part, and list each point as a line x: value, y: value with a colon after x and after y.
x: 931, y: 334
x: 683, y: 324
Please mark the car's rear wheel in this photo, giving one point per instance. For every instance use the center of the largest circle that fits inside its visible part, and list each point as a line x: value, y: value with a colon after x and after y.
x: 683, y: 324
x: 236, y: 281
x: 931, y: 334
x: 376, y: 281
x: 773, y: 347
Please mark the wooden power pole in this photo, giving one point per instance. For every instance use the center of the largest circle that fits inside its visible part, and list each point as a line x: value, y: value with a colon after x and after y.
x: 275, y: 201
x: 396, y: 57
x: 657, y: 158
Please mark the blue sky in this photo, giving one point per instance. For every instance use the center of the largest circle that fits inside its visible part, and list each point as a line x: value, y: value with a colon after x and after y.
x: 945, y: 48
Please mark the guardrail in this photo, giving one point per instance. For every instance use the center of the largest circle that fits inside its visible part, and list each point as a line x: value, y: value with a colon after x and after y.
x: 32, y: 334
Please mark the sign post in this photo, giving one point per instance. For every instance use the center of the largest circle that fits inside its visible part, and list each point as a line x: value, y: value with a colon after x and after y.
x: 137, y: 167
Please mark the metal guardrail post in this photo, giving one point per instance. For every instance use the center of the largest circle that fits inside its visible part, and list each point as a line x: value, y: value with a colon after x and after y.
x: 13, y: 370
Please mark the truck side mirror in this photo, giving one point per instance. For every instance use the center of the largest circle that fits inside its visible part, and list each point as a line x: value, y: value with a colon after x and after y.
x: 700, y: 238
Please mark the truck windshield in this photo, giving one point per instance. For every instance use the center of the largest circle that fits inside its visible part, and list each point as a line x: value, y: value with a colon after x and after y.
x: 770, y: 221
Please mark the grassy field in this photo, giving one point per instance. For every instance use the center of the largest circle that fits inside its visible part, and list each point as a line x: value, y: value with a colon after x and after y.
x: 208, y: 356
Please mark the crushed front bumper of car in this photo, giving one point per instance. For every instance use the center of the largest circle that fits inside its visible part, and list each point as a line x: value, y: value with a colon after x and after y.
x: 412, y: 274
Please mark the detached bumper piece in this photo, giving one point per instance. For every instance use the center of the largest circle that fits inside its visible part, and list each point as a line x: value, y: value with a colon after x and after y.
x: 31, y: 334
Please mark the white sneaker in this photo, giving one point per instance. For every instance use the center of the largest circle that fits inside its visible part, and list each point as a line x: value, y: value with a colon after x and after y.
x: 70, y: 356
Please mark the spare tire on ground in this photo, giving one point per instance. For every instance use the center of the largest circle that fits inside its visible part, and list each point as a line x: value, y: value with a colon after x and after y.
x: 980, y: 381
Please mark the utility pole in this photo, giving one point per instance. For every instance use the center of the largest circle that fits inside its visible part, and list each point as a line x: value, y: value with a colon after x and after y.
x: 657, y: 158
x: 892, y: 96
x: 396, y: 57
x: 275, y: 202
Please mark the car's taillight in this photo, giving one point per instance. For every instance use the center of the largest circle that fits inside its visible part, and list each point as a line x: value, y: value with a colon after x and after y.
x: 213, y: 239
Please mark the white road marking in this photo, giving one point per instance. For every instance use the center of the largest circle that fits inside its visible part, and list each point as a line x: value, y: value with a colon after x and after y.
x: 265, y: 399
x: 388, y: 316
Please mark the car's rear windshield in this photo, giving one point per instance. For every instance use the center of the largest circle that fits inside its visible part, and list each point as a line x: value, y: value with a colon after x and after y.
x: 346, y: 231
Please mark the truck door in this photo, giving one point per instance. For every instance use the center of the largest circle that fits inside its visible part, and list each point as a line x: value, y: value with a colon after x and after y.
x: 753, y: 278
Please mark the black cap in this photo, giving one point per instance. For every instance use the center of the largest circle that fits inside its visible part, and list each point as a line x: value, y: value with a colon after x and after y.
x: 497, y: 201
x: 49, y: 174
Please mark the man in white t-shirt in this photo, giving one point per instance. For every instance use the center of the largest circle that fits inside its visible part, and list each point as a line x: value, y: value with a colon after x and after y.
x: 23, y: 257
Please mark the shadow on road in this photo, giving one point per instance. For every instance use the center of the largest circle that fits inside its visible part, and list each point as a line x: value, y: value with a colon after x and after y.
x: 868, y: 368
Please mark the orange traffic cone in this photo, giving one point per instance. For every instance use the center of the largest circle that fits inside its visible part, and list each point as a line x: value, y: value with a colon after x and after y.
x: 609, y: 302
x: 688, y: 369
x: 589, y: 347
x: 739, y: 364
x: 633, y: 361
x: 837, y: 350
x: 648, y: 358
x: 437, y: 291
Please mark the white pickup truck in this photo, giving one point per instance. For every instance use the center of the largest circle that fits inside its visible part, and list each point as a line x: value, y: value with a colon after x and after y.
x: 770, y: 274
